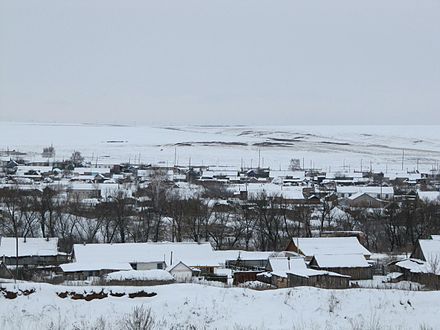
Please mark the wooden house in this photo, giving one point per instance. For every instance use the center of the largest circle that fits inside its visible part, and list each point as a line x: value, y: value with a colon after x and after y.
x: 424, y: 264
x: 353, y: 265
x: 316, y: 278
x: 427, y: 250
x: 278, y: 268
x: 32, y: 252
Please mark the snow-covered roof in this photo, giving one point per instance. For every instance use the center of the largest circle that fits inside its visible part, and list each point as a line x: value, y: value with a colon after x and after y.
x: 40, y: 169
x: 307, y: 272
x: 93, y: 170
x: 419, y: 266
x: 180, y: 263
x: 140, y: 275
x: 430, y: 249
x: 435, y: 237
x: 429, y: 196
x: 223, y: 272
x: 341, y: 261
x: 94, y: 266
x: 368, y: 190
x: 185, y: 190
x: 191, y: 254
x: 223, y: 255
x: 270, y: 189
x: 287, y: 173
x: 31, y: 247
x: 359, y: 194
x: 337, y: 213
x: 311, y: 246
x: 405, y: 175
x: 281, y: 266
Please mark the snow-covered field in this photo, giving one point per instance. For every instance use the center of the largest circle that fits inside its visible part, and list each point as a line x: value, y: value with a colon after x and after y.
x: 194, y: 306
x: 326, y: 147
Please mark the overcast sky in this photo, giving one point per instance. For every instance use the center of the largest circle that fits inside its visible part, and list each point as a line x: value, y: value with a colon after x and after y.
x: 220, y: 62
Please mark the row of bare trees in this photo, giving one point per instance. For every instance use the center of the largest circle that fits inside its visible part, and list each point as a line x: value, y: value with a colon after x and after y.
x: 262, y: 223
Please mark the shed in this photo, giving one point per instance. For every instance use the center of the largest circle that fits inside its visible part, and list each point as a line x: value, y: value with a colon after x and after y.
x: 180, y: 272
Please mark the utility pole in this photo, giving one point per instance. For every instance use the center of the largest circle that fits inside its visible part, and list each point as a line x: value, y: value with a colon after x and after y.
x: 16, y: 256
x: 259, y: 157
x: 403, y: 157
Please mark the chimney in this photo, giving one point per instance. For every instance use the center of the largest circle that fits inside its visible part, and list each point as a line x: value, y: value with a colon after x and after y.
x: 171, y: 258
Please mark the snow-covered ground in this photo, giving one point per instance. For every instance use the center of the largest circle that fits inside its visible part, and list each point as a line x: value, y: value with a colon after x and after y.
x: 326, y: 147
x: 194, y: 306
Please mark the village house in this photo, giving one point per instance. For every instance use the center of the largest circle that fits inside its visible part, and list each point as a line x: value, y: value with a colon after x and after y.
x: 379, y: 192
x: 317, y: 278
x: 353, y: 265
x: 277, y: 269
x: 311, y: 246
x: 180, y: 272
x: 364, y: 200
x: 423, y: 266
x: 288, y: 194
x: 429, y: 196
x: 32, y: 252
x: 98, y: 259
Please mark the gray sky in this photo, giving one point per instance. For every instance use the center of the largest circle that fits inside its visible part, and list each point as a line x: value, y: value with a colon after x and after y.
x: 227, y: 62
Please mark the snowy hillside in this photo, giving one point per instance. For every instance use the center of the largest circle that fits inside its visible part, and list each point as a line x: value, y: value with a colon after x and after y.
x: 327, y: 147
x: 193, y: 306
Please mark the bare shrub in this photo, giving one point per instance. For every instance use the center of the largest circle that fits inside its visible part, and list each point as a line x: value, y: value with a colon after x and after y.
x: 140, y: 318
x: 425, y: 327
x: 332, y: 303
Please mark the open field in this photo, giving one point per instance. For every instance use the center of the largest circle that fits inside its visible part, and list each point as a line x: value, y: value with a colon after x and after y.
x: 328, y: 147
x: 194, y: 306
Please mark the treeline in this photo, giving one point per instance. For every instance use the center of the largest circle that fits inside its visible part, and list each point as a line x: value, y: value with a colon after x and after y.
x: 262, y: 223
